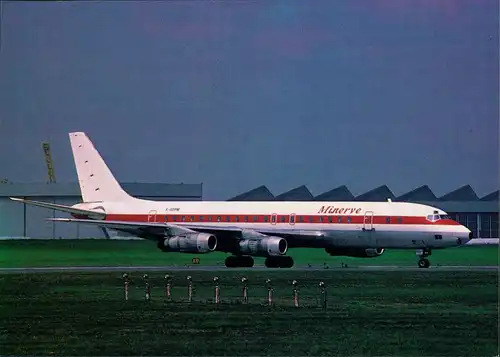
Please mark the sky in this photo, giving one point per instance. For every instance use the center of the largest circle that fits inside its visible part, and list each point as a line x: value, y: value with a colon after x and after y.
x: 237, y: 94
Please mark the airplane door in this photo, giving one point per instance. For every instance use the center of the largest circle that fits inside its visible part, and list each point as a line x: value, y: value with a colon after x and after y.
x: 152, y: 216
x: 367, y: 236
x: 368, y: 221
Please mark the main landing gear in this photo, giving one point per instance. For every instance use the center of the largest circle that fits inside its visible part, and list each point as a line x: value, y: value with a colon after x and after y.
x: 244, y: 261
x: 423, y: 262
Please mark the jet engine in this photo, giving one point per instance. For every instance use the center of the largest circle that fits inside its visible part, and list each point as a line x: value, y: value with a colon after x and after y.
x: 189, y: 243
x: 264, y: 247
x: 355, y: 252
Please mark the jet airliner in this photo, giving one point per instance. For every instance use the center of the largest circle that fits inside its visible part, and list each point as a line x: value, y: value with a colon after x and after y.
x: 255, y: 229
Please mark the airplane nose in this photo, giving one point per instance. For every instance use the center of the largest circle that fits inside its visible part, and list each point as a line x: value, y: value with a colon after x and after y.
x: 464, y: 236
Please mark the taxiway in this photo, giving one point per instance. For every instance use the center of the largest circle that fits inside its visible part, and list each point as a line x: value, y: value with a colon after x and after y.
x: 218, y: 268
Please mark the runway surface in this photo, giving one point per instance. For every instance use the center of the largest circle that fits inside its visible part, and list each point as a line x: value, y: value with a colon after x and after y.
x: 218, y: 268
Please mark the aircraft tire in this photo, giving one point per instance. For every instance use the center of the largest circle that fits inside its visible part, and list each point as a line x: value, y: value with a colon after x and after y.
x: 424, y: 263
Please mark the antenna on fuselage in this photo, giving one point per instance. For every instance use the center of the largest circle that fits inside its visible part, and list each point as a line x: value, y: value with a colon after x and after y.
x: 389, y: 200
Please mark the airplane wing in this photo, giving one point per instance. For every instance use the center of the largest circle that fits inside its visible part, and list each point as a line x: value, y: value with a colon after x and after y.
x: 147, y: 230
x: 156, y: 230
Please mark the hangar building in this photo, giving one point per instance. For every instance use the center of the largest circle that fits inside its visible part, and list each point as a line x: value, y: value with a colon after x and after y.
x: 20, y: 220
x: 480, y: 215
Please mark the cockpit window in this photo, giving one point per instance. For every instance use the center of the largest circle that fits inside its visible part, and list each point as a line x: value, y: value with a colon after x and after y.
x: 437, y: 217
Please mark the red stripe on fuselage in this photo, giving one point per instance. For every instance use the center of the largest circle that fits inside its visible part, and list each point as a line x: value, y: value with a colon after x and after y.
x: 279, y: 219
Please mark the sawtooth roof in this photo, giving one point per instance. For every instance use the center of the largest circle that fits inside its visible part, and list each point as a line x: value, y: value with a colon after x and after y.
x: 494, y: 196
x: 463, y: 199
x: 422, y: 193
x: 340, y: 193
x: 260, y: 193
x: 381, y: 193
x: 300, y: 193
x: 464, y: 193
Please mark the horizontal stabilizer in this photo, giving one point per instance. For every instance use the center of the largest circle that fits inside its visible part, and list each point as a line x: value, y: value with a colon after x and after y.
x: 62, y: 208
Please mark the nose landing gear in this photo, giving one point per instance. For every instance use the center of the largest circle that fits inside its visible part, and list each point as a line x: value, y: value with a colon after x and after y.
x: 423, y: 262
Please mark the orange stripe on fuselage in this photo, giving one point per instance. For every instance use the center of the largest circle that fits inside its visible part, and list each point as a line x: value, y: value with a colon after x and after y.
x: 280, y: 219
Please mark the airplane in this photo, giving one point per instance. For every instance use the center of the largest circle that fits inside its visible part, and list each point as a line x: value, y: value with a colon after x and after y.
x: 254, y: 229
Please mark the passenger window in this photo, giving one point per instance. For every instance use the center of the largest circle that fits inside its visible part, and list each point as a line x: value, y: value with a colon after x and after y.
x: 348, y: 219
x: 330, y: 219
x: 388, y: 220
x: 266, y: 218
x: 273, y: 219
x: 339, y: 219
x: 183, y: 218
x: 400, y: 220
x: 301, y: 219
x: 218, y: 218
x: 283, y: 219
x: 228, y: 219
x: 201, y: 218
x: 246, y: 218
x: 192, y: 218
x: 255, y: 218
x: 292, y: 218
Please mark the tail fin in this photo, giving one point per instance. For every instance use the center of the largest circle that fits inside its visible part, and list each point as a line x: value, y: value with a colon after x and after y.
x: 97, y: 183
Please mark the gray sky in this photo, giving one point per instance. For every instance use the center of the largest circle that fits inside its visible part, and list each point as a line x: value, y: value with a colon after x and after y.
x: 237, y: 94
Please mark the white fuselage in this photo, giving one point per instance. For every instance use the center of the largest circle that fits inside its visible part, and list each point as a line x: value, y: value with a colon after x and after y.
x: 349, y: 224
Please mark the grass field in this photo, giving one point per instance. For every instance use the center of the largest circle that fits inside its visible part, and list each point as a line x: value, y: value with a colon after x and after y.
x: 37, y: 253
x: 418, y: 313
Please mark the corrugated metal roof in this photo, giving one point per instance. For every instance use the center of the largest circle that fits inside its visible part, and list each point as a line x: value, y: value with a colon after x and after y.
x: 260, y: 193
x: 464, y: 193
x: 73, y: 189
x: 340, y: 193
x: 381, y: 193
x: 300, y: 193
x: 422, y: 193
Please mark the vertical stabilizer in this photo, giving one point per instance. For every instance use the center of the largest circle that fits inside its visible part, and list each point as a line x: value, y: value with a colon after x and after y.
x: 97, y: 183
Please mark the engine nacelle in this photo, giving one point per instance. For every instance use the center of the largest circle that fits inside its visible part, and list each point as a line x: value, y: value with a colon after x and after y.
x: 190, y: 243
x: 355, y: 252
x: 264, y: 247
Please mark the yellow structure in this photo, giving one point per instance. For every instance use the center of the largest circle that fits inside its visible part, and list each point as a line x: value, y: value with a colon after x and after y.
x: 49, y: 162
